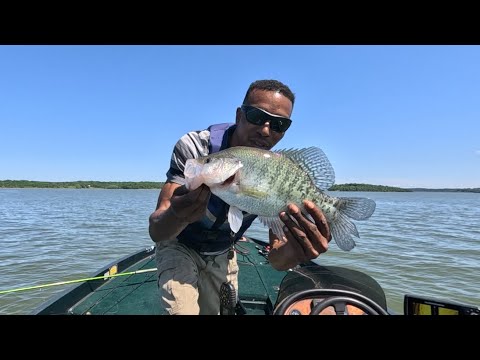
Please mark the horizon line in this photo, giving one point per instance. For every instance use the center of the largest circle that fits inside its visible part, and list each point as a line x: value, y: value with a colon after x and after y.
x: 157, y: 181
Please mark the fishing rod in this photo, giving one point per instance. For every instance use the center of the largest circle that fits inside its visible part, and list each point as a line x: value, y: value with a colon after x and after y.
x: 78, y: 280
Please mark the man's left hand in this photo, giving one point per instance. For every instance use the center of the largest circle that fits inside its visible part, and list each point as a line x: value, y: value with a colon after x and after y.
x: 305, y: 241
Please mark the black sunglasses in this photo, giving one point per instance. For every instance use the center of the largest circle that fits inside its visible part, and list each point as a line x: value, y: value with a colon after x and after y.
x: 257, y: 116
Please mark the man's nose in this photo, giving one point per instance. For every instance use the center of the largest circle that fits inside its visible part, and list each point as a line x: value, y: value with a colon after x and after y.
x: 265, y: 130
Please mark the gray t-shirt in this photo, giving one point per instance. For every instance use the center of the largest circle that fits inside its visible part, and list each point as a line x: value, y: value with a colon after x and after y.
x: 190, y: 146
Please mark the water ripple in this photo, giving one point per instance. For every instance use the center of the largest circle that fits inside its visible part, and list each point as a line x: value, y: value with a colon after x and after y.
x: 415, y: 243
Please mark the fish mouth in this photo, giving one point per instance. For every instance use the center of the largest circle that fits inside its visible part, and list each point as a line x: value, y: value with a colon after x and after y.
x: 229, y: 180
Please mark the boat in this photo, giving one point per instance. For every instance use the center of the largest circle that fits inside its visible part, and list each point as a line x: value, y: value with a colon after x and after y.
x: 129, y: 287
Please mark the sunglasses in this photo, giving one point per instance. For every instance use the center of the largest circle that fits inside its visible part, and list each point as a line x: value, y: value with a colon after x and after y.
x: 257, y: 116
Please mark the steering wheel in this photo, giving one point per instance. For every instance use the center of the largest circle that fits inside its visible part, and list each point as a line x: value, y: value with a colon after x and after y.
x: 333, y: 297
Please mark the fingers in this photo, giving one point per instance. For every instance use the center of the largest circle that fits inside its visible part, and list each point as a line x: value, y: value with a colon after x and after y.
x: 192, y: 205
x: 313, y: 237
x: 293, y: 253
x: 296, y: 233
x: 181, y: 190
x: 203, y: 194
x: 319, y: 218
x: 198, y: 199
x: 273, y: 239
x: 198, y: 196
x: 202, y: 198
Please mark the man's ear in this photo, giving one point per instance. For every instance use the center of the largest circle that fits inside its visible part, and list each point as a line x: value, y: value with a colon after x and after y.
x: 238, y: 116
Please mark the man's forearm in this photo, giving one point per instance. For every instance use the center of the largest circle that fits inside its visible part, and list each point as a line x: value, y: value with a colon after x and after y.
x: 165, y: 225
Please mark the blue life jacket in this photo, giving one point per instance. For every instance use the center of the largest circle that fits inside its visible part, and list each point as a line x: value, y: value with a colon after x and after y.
x: 206, y: 235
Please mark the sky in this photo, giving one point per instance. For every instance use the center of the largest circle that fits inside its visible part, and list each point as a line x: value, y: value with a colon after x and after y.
x: 396, y: 115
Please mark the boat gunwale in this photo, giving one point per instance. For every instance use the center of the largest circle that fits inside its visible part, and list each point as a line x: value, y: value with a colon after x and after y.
x: 78, y: 292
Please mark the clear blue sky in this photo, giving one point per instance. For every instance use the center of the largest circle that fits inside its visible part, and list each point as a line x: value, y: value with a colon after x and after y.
x: 404, y: 116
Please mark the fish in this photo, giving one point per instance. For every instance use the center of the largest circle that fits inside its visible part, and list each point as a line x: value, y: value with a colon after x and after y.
x: 263, y: 182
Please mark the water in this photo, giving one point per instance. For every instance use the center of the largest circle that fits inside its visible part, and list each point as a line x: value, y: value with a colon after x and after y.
x: 415, y: 243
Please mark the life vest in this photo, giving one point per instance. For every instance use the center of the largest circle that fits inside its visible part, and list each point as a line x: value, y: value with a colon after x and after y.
x: 206, y: 235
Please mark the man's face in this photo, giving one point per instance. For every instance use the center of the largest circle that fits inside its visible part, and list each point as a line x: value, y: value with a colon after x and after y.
x: 261, y: 136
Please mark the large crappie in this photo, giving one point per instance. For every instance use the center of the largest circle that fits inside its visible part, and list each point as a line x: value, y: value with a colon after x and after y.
x: 263, y: 183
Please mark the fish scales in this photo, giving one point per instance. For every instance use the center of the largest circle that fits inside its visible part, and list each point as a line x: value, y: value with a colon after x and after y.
x: 263, y: 183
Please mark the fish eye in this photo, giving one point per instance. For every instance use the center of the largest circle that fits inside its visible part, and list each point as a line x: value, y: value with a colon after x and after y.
x: 207, y: 161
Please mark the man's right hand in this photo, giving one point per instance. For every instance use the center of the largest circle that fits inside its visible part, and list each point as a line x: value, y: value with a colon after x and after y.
x: 189, y: 206
x: 176, y: 208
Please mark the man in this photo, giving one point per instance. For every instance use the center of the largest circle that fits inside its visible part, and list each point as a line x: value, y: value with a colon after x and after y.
x: 193, y: 239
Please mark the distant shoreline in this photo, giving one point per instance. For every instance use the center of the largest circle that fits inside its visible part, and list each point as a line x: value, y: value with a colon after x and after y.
x: 21, y: 184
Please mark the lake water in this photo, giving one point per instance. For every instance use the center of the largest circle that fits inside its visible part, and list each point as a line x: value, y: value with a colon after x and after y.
x: 415, y: 243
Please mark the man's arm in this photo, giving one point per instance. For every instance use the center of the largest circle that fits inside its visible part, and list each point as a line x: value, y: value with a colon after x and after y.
x: 176, y: 208
x: 304, y: 242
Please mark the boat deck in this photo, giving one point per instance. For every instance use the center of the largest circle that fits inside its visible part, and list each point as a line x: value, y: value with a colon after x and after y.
x: 137, y: 294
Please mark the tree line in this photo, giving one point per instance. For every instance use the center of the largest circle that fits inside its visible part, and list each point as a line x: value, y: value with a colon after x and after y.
x: 159, y: 184
x: 366, y: 187
x: 81, y: 184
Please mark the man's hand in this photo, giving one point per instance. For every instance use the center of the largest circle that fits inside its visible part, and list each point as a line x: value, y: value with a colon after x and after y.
x: 305, y: 241
x: 189, y: 206
x: 176, y: 208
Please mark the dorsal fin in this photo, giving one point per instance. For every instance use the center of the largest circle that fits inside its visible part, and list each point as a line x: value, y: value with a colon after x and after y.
x: 314, y: 161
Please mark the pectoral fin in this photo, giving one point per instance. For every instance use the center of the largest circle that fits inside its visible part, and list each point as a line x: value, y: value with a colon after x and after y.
x: 235, y: 218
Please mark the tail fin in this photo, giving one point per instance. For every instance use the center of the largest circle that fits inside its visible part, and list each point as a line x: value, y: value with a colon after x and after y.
x: 356, y: 207
x: 343, y: 228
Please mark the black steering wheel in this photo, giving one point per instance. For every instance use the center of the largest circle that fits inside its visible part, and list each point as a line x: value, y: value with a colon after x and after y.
x: 332, y: 297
